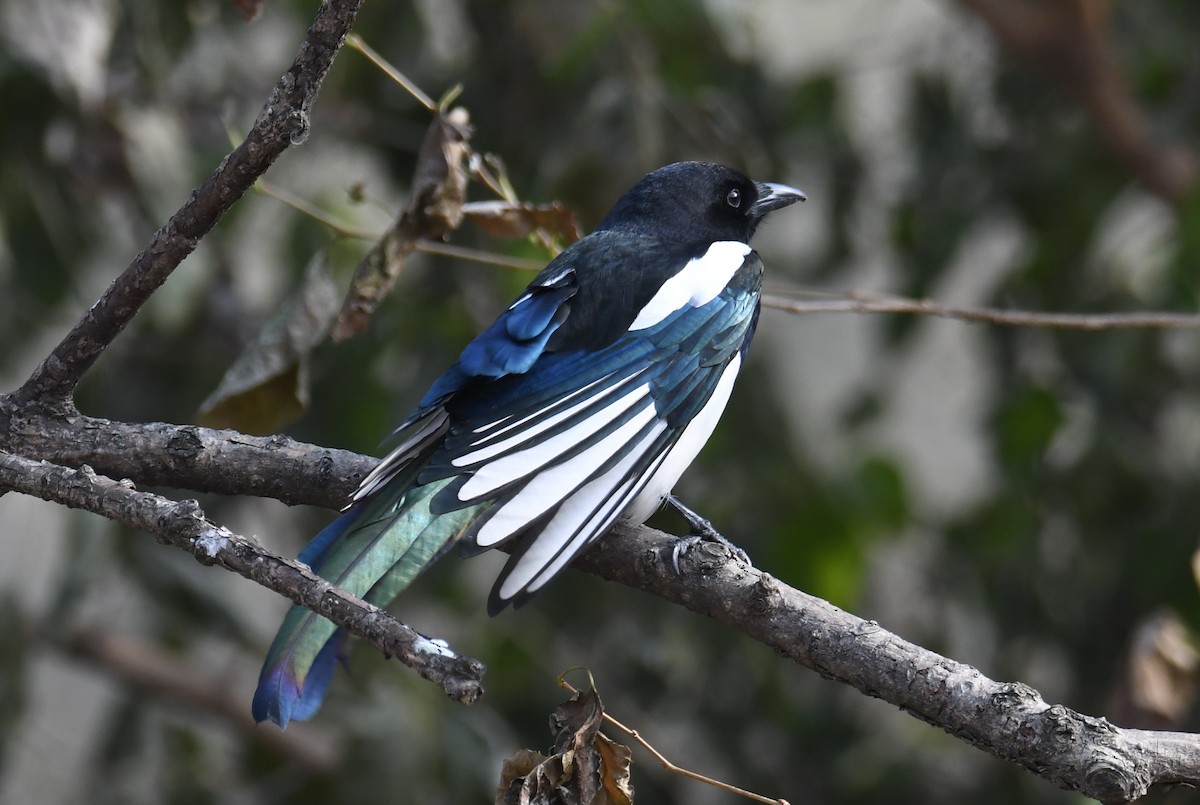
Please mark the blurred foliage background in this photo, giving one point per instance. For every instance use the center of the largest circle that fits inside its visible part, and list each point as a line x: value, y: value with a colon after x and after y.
x: 1021, y: 499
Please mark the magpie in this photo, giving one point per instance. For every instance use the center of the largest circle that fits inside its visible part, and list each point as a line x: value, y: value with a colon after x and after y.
x: 583, y: 402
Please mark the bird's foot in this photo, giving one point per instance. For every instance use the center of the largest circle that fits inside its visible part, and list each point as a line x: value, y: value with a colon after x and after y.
x: 702, y: 530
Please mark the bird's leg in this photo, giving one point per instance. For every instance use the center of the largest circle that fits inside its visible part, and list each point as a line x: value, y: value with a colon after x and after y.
x: 702, y: 529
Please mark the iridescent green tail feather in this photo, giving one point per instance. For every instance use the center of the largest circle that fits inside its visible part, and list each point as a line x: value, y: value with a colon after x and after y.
x: 374, y: 551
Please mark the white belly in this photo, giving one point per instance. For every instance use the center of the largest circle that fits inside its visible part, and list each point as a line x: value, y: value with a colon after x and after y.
x: 693, y: 438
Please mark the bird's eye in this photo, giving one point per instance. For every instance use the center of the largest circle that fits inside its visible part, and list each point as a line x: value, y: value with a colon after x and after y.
x: 734, y: 199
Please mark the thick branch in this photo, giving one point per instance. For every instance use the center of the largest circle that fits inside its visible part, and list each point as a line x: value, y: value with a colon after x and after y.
x: 282, y: 122
x: 184, y: 525
x: 1010, y: 720
x: 189, y: 457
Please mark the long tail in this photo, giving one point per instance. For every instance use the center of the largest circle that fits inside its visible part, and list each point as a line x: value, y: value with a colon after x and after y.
x: 374, y: 551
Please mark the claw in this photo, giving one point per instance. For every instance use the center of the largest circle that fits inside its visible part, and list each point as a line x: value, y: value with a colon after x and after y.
x: 702, y: 530
x: 682, y: 546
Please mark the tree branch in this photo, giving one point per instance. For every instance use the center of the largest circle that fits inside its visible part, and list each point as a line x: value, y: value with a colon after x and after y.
x: 283, y: 122
x: 183, y: 524
x: 226, y: 462
x: 857, y: 302
x: 1009, y: 720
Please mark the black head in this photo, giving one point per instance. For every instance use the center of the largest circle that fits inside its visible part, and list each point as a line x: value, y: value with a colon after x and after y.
x: 697, y: 203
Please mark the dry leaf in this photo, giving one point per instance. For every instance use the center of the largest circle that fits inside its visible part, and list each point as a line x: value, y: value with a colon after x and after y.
x: 519, y: 764
x: 505, y: 219
x: 525, y: 777
x: 585, y: 767
x: 435, y: 210
x: 267, y: 386
x: 616, y: 761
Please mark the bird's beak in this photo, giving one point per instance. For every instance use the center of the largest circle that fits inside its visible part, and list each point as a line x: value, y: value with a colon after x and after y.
x: 772, y: 196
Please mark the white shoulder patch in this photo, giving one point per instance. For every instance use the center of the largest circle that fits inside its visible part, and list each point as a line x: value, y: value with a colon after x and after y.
x: 697, y: 283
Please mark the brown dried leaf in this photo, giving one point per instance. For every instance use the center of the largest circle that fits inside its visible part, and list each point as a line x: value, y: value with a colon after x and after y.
x: 524, y: 777
x: 267, y: 386
x: 435, y: 210
x: 440, y: 179
x: 615, y: 762
x: 504, y: 219
x: 586, y: 768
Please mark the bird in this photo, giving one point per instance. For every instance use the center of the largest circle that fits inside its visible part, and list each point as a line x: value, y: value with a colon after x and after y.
x: 583, y: 402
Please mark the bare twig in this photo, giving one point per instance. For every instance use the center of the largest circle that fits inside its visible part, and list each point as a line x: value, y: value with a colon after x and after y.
x: 283, y: 122
x: 422, y: 245
x: 490, y: 170
x: 854, y: 302
x: 183, y: 524
x: 355, y: 41
x: 668, y: 765
x: 319, y: 215
x: 478, y: 256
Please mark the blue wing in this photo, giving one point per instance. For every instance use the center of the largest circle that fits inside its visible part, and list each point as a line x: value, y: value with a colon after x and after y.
x: 555, y: 454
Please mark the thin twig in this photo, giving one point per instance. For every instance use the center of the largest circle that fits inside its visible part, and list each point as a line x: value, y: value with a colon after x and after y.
x: 854, y: 302
x: 668, y: 765
x: 479, y: 168
x: 479, y: 256
x: 497, y: 182
x: 355, y: 41
x: 423, y: 245
x: 313, y: 211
